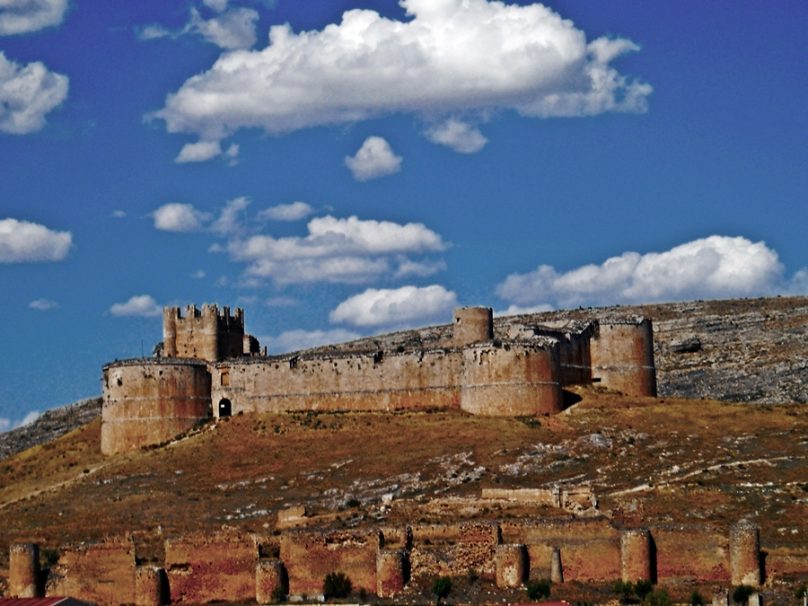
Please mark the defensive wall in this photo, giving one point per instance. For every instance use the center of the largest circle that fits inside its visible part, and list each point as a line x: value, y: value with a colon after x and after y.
x: 208, y: 366
x: 231, y: 565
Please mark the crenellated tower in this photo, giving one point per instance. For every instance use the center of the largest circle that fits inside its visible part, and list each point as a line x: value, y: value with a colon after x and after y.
x: 205, y: 334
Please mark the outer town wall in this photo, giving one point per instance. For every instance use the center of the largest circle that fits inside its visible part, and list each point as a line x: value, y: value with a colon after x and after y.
x: 151, y: 401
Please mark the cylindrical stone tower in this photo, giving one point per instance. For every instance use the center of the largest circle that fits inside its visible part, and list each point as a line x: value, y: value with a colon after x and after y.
x: 510, y: 562
x: 391, y: 572
x: 744, y: 553
x: 622, y: 355
x: 472, y: 324
x: 151, y: 401
x: 150, y: 588
x: 514, y: 379
x: 269, y: 579
x: 23, y: 571
x: 635, y: 555
x: 556, y: 572
x: 170, y: 331
x: 209, y: 342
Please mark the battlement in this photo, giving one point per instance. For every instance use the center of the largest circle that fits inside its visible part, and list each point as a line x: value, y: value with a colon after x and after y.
x: 208, y: 333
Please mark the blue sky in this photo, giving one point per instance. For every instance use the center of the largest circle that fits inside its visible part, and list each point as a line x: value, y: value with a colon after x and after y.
x: 341, y: 168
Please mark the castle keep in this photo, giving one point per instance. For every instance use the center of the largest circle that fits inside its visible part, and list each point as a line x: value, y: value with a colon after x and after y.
x: 208, y: 366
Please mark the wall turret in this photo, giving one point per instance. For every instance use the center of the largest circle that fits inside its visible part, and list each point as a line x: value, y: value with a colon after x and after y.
x: 622, y: 356
x: 471, y: 325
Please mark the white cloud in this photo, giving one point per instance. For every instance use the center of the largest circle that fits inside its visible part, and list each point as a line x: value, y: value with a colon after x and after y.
x: 118, y: 214
x: 230, y: 30
x: 515, y: 310
x: 43, y: 304
x: 286, y: 212
x: 23, y: 16
x: 460, y: 136
x: 22, y: 241
x: 422, y: 269
x: 216, y: 5
x: 448, y: 57
x: 27, y: 93
x: 335, y: 250
x: 228, y: 221
x: 281, y: 302
x: 154, y: 31
x: 713, y: 267
x: 198, y: 274
x: 373, y: 160
x: 398, y: 307
x: 140, y: 305
x: 201, y: 151
x: 179, y: 217
x: 295, y: 340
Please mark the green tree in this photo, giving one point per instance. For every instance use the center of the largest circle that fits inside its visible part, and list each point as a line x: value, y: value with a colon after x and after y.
x: 441, y: 587
x: 538, y: 589
x: 642, y: 588
x: 336, y: 585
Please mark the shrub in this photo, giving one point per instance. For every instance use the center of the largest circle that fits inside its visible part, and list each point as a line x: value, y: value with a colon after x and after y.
x: 742, y: 593
x: 658, y: 598
x: 336, y: 585
x: 624, y: 589
x: 538, y: 589
x: 643, y: 588
x: 49, y: 557
x: 442, y: 587
x: 696, y: 599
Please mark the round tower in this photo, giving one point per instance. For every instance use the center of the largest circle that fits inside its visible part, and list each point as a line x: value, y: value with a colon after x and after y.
x: 471, y: 325
x: 23, y: 570
x: 635, y: 555
x: 209, y: 342
x: 512, y: 379
x: 391, y: 569
x: 622, y: 356
x: 744, y: 553
x: 510, y: 562
x: 151, y: 401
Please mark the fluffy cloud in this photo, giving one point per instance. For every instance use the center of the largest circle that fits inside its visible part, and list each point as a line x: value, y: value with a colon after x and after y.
x: 713, y: 267
x: 43, y: 304
x: 398, y: 307
x: 373, y: 160
x: 202, y: 151
x: 458, y: 135
x: 286, y: 212
x: 228, y: 221
x: 22, y: 241
x: 140, y: 305
x: 335, y: 250
x: 23, y: 16
x: 27, y: 93
x: 295, y: 340
x: 449, y: 57
x: 230, y: 30
x: 179, y: 217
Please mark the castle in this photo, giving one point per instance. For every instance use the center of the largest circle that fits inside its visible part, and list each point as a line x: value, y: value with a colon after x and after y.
x: 208, y: 366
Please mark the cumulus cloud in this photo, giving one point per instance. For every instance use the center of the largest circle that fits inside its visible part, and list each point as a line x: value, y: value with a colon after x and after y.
x: 286, y: 212
x: 24, y: 16
x: 335, y: 250
x: 179, y: 217
x: 712, y: 267
x: 140, y: 305
x: 460, y: 136
x: 422, y: 269
x: 373, y: 160
x: 447, y: 58
x: 295, y: 340
x: 230, y: 30
x: 22, y: 241
x: 201, y: 151
x: 27, y: 93
x: 43, y: 304
x: 229, y: 221
x: 399, y: 307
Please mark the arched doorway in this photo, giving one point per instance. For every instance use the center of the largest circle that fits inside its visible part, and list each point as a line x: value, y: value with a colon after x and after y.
x: 225, y: 408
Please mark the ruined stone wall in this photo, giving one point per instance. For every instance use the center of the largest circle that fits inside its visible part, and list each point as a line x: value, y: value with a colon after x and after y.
x: 208, y: 567
x: 310, y: 556
x: 98, y: 573
x: 622, y: 355
x: 453, y: 549
x: 390, y: 381
x: 151, y: 401
x: 589, y: 549
x: 511, y: 379
x: 691, y: 553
